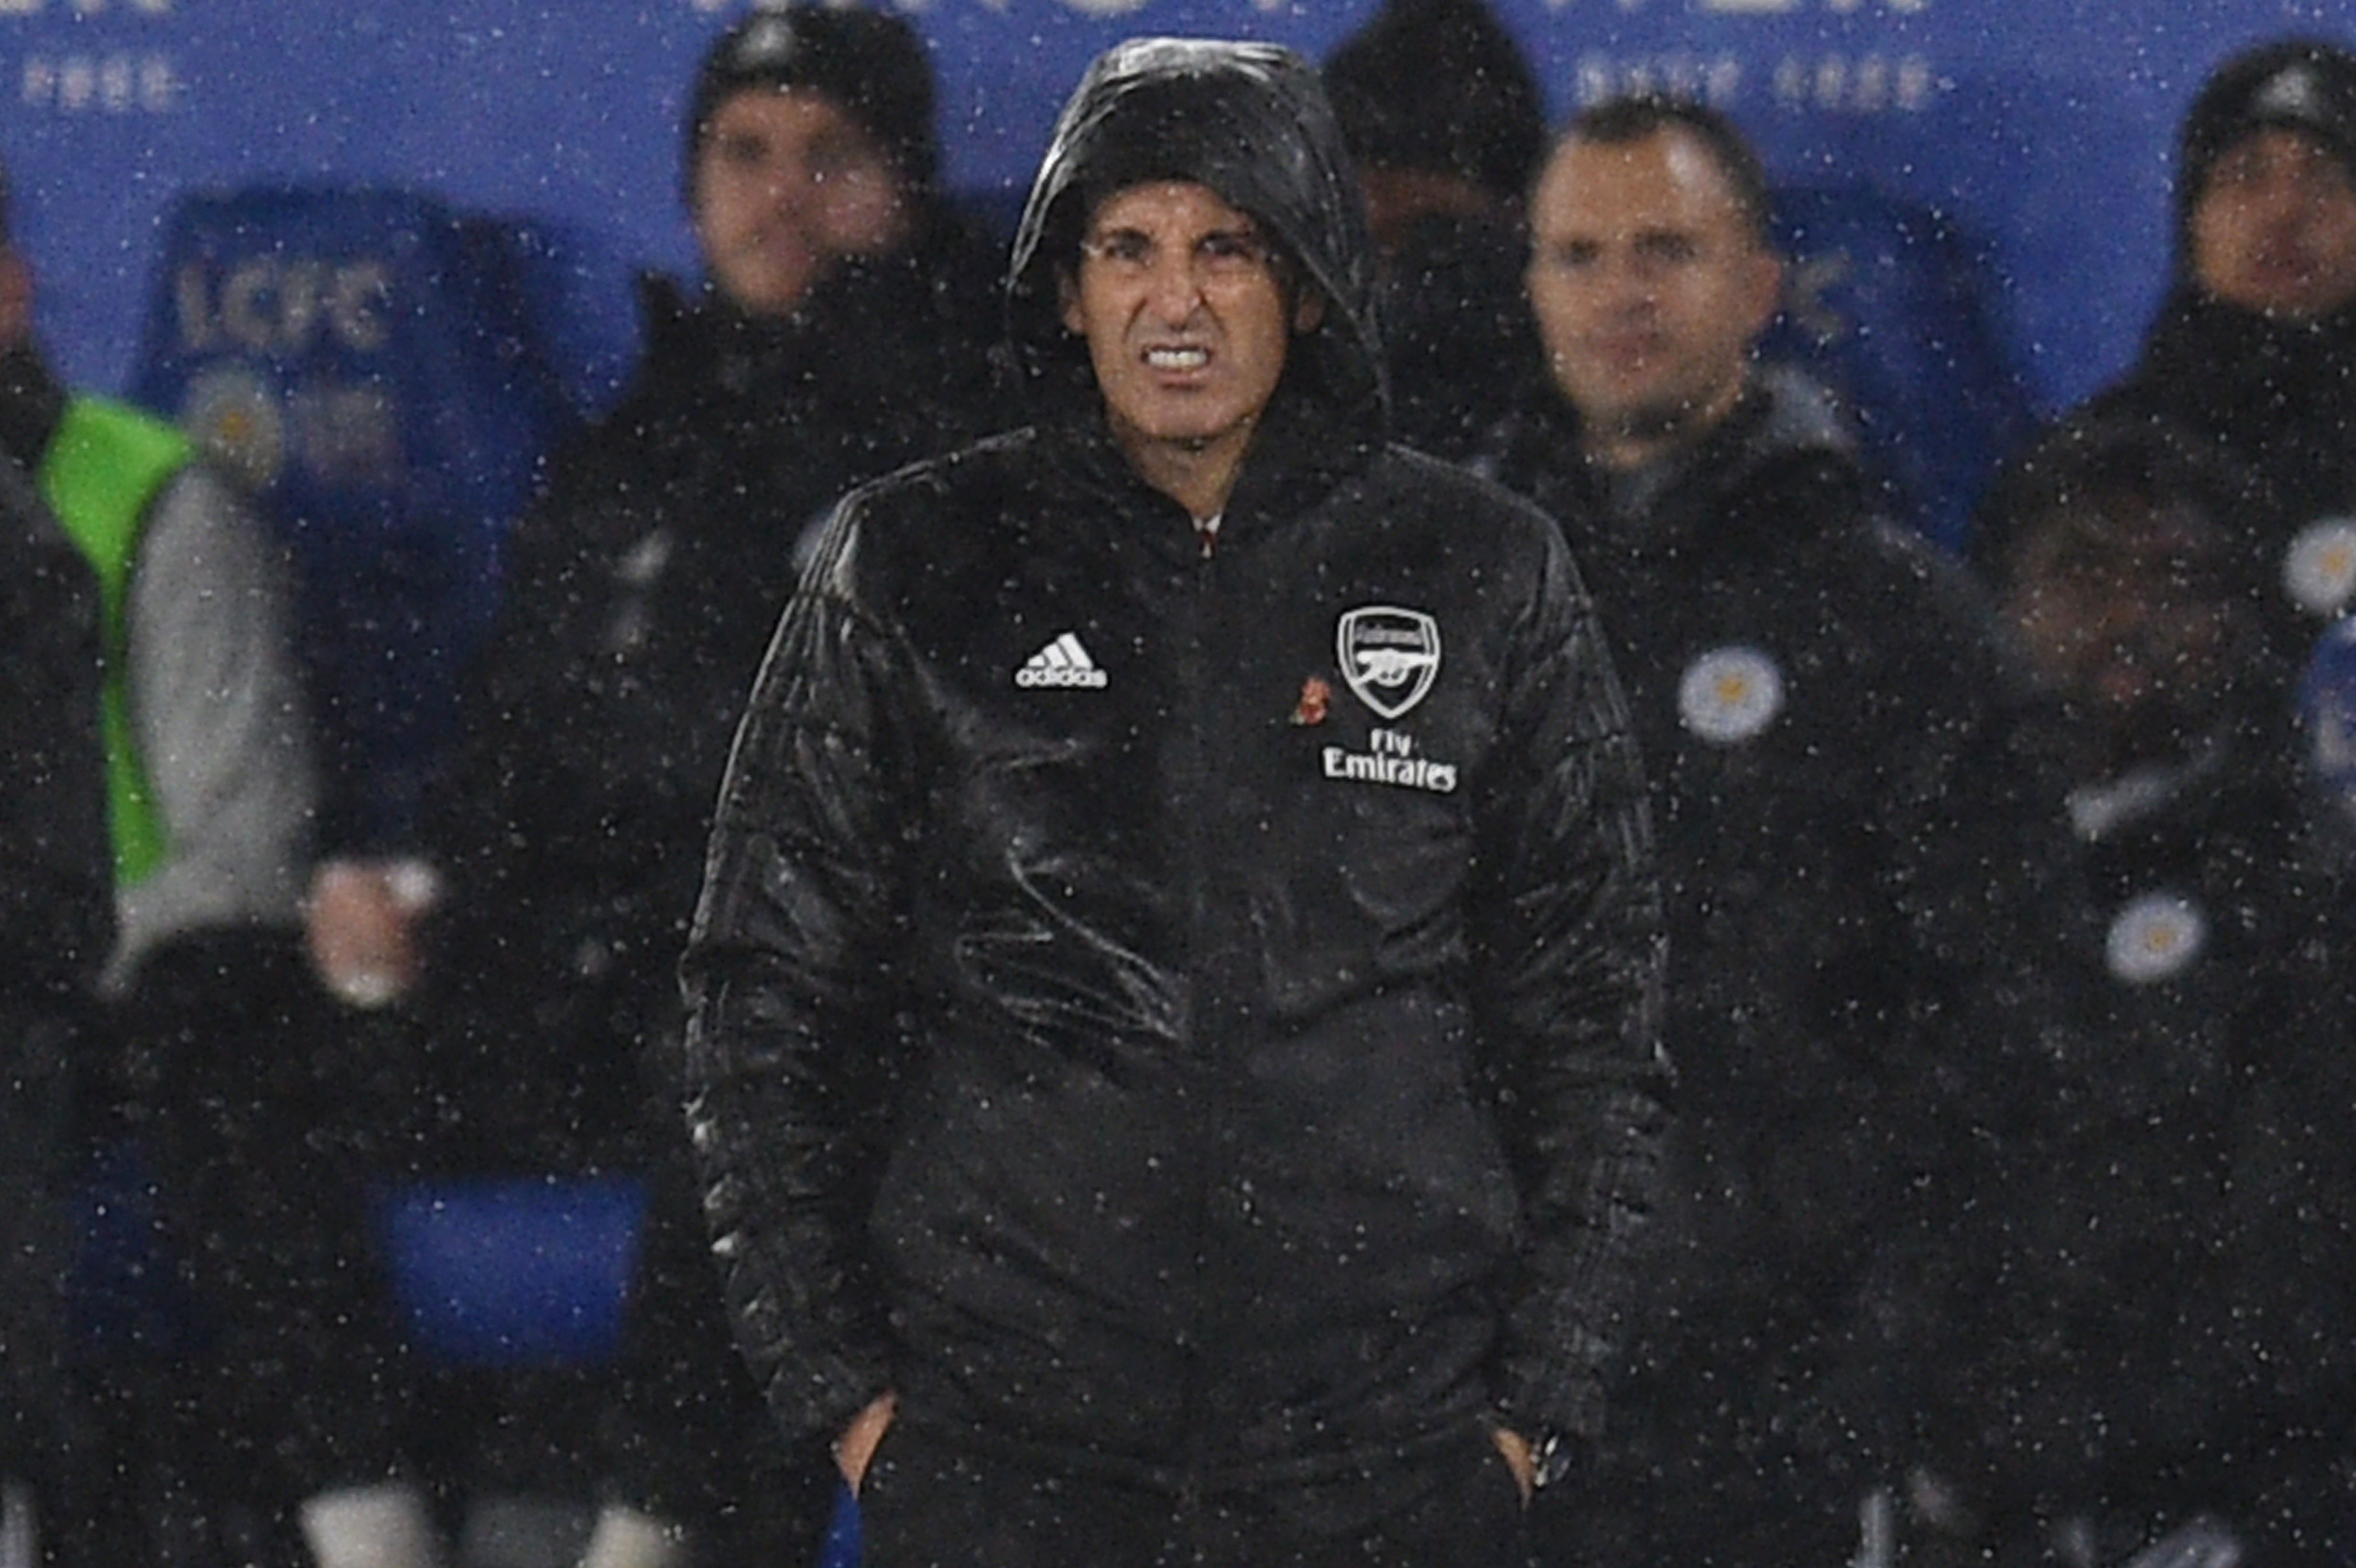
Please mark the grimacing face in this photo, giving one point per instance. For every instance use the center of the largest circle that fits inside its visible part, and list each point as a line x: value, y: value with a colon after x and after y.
x: 1187, y: 320
x: 2275, y: 228
x: 787, y: 186
x: 1650, y: 285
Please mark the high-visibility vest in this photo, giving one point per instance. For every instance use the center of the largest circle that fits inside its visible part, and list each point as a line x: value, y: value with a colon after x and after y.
x: 104, y: 469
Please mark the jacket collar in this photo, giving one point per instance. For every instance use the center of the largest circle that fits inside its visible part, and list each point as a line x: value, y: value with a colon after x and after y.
x: 1301, y: 453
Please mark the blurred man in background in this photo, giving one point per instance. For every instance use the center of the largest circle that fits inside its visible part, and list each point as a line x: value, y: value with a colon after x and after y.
x: 2254, y: 351
x: 1865, y: 880
x: 2175, y: 1347
x: 1446, y: 123
x: 840, y: 330
x: 263, y: 1429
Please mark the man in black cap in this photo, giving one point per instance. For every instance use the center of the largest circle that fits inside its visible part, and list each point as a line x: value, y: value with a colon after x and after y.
x: 1173, y: 1041
x: 838, y: 333
x: 2255, y: 349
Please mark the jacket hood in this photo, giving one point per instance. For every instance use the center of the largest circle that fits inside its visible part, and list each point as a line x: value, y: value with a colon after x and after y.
x: 1249, y: 120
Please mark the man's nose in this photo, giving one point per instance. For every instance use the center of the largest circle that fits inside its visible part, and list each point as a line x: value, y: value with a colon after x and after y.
x: 790, y: 183
x: 1173, y: 288
x: 1631, y: 285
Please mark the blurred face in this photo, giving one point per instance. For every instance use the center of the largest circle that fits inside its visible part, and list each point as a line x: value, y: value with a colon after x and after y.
x: 787, y: 186
x: 1649, y: 287
x: 1187, y: 322
x: 2123, y: 609
x: 2275, y: 229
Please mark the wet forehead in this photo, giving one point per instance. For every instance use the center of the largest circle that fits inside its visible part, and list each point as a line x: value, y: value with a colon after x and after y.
x: 2278, y: 149
x: 1179, y: 210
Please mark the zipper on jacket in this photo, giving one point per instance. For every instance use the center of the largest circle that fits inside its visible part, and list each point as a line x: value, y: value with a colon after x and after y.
x: 1199, y: 584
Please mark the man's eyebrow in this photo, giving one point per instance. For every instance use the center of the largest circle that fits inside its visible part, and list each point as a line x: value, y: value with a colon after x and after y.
x: 1244, y: 230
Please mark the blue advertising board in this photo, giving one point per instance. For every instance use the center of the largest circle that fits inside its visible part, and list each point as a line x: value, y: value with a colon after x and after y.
x: 2041, y: 131
x: 212, y: 194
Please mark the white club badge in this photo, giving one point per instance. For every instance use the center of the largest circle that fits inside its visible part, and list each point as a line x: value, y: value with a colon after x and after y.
x: 2320, y: 569
x: 1388, y: 656
x: 1729, y: 695
x: 2156, y: 937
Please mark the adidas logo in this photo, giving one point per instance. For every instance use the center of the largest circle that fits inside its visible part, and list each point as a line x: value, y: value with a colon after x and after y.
x: 1061, y: 663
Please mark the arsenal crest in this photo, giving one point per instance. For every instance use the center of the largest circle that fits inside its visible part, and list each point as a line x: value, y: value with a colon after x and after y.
x: 1390, y: 657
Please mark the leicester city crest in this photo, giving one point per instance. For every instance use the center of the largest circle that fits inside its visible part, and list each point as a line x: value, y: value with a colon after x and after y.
x: 1730, y: 695
x: 2320, y: 569
x: 1390, y: 657
x: 2156, y: 937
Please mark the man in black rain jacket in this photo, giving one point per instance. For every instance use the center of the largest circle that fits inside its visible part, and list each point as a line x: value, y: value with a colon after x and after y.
x: 1173, y: 1041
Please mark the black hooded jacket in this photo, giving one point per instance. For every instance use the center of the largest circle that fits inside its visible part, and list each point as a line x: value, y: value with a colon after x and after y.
x: 1112, y: 1031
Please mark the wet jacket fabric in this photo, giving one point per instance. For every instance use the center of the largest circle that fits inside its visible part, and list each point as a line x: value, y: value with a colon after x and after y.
x: 1183, y: 1016
x: 1860, y: 890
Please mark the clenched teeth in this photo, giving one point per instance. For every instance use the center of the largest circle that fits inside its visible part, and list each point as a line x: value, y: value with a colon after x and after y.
x: 1177, y: 358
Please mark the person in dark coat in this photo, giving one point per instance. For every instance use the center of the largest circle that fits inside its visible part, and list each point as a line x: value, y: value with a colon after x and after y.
x: 57, y: 916
x: 2253, y: 350
x: 217, y: 1094
x: 842, y: 330
x: 2182, y: 1323
x: 1174, y: 991
x: 1866, y: 884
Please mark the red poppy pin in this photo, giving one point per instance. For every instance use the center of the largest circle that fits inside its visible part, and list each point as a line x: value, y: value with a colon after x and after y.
x: 1316, y: 697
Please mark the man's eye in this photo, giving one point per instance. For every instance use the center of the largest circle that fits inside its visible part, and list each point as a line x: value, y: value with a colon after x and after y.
x: 1671, y: 247
x: 831, y: 160
x: 1122, y: 250
x: 1229, y: 252
x: 1572, y: 258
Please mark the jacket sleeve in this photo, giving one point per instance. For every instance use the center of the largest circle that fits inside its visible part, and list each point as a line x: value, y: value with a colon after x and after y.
x: 1570, y: 951
x: 789, y: 972
x: 220, y: 722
